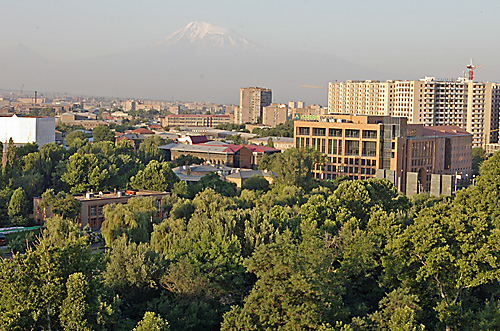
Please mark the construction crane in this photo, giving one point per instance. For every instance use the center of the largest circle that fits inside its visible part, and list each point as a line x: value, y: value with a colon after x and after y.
x: 314, y: 86
x: 471, y: 68
x: 20, y: 96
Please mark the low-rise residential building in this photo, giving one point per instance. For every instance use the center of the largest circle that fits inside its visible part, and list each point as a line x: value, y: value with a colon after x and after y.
x: 174, y: 120
x: 281, y: 143
x: 92, y: 204
x: 193, y: 173
x: 239, y: 156
x: 240, y: 176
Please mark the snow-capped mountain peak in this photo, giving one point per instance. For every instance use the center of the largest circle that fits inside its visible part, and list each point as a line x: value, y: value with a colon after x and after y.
x: 206, y: 35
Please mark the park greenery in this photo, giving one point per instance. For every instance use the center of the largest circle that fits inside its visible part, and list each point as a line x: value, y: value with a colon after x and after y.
x: 299, y: 254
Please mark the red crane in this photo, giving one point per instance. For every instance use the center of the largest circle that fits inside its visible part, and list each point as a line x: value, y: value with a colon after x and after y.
x: 471, y: 68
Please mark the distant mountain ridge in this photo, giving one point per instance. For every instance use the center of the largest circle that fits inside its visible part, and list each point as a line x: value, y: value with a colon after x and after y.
x: 200, y: 62
x: 204, y: 34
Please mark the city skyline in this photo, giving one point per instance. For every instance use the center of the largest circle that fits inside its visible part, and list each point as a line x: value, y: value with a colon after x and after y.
x: 383, y: 40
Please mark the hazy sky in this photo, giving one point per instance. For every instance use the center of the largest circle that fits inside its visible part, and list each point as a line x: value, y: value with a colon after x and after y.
x: 435, y: 37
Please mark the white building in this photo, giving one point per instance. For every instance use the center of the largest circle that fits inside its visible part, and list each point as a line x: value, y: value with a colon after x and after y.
x: 24, y: 130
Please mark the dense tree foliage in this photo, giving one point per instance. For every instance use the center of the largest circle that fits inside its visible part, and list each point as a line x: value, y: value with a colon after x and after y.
x: 293, y: 166
x: 295, y: 255
x: 156, y: 176
x: 231, y: 127
x: 281, y: 130
x: 187, y: 160
x: 74, y: 135
x: 103, y: 133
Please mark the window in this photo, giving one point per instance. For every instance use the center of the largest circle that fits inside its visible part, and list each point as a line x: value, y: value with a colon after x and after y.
x: 369, y: 134
x: 93, y: 210
x: 319, y: 132
x: 335, y: 132
x: 352, y: 133
x: 303, y: 131
x: 369, y: 148
x: 351, y: 147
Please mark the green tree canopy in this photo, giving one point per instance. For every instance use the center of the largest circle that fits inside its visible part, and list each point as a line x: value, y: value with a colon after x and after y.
x: 61, y: 204
x: 157, y: 176
x: 73, y: 135
x: 151, y: 322
x: 449, y: 250
x: 133, y: 219
x: 256, y: 183
x: 19, y: 207
x: 103, y: 133
x: 293, y: 166
x: 85, y: 173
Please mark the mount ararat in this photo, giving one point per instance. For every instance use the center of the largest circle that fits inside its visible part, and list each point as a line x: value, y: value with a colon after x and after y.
x: 200, y: 62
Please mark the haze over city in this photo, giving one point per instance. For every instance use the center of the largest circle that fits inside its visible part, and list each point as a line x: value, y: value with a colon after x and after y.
x: 121, y: 48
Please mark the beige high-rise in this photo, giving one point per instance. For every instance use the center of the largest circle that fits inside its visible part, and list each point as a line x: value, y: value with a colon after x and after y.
x: 252, y: 101
x: 473, y: 106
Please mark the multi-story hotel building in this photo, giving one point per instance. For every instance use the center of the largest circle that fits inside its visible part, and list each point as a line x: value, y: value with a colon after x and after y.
x: 357, y: 146
x: 252, y: 102
x: 473, y: 106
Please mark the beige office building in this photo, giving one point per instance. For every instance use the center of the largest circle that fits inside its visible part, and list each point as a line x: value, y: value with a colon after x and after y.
x: 252, y: 102
x: 357, y: 146
x: 473, y: 106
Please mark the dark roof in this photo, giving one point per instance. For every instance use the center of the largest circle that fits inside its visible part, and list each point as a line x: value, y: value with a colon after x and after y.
x: 143, y: 131
x: 198, y: 139
x: 444, y: 130
x: 195, y: 115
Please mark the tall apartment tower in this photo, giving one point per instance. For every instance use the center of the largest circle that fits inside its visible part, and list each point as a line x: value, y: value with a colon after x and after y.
x: 473, y: 106
x: 252, y: 102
